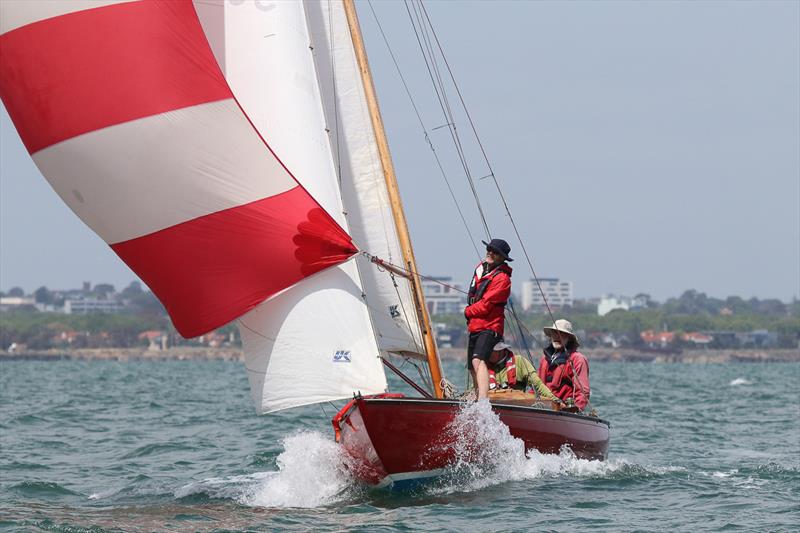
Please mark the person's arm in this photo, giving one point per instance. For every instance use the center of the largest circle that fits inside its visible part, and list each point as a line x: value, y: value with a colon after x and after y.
x: 580, y: 380
x: 496, y: 293
x: 527, y: 373
x: 541, y: 388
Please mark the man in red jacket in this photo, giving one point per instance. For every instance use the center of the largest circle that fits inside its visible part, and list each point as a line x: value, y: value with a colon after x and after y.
x: 488, y: 294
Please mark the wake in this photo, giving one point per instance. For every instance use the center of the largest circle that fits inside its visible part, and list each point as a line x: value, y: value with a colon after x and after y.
x: 487, y: 455
x: 313, y: 470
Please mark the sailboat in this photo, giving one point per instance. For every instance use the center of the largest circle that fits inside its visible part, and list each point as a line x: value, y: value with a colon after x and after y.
x: 233, y: 155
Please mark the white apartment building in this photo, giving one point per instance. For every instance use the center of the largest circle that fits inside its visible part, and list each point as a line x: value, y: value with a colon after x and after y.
x: 85, y: 306
x: 609, y: 302
x: 443, y: 298
x: 558, y: 293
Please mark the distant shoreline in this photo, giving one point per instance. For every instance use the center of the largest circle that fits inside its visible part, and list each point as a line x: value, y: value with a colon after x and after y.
x: 183, y: 353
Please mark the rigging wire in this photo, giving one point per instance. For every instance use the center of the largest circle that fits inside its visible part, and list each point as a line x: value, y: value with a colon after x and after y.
x: 441, y: 95
x: 422, y: 125
x: 486, y: 159
x: 426, y: 36
x: 447, y: 110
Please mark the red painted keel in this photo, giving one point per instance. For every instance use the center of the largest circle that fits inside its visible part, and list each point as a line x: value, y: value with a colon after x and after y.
x: 393, y: 439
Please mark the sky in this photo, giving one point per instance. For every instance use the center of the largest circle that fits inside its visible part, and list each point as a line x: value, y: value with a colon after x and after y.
x: 642, y: 147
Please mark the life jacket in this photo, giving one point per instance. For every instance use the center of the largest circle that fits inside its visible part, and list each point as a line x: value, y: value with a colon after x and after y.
x: 559, y: 375
x: 511, y: 374
x: 480, y: 282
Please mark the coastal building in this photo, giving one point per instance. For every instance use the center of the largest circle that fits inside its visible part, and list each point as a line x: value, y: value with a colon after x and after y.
x: 448, y: 336
x: 611, y: 302
x: 657, y: 339
x: 11, y: 303
x: 443, y: 297
x: 157, y: 340
x: 84, y: 306
x: 557, y: 292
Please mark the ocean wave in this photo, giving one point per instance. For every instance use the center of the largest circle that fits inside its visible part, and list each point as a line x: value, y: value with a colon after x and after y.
x: 39, y: 489
x: 154, y: 449
x: 739, y: 381
x: 229, y: 488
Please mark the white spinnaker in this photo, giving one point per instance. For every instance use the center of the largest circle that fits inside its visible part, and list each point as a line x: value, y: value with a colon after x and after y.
x: 369, y: 215
x: 313, y: 342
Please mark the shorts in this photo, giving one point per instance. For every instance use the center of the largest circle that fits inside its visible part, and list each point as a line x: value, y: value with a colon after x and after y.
x: 481, y: 344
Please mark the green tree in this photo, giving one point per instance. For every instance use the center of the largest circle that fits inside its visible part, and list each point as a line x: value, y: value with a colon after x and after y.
x: 134, y: 288
x: 43, y: 295
x: 16, y: 292
x: 103, y: 289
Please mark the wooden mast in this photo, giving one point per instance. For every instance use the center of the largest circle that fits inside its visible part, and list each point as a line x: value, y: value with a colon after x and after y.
x: 394, y: 195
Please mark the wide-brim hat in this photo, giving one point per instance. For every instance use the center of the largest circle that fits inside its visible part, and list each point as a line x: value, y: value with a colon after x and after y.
x: 562, y: 326
x: 500, y: 246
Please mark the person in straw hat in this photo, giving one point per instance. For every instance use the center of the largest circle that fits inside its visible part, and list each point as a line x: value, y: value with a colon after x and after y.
x: 562, y: 367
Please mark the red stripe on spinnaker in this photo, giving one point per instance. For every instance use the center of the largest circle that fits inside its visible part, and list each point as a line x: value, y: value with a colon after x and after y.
x: 79, y: 72
x: 213, y: 269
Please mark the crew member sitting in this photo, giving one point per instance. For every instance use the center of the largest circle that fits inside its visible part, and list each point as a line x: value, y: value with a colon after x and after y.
x: 509, y: 371
x: 563, y: 368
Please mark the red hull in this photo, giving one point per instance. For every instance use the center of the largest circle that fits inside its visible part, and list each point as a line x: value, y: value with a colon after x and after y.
x: 395, y: 439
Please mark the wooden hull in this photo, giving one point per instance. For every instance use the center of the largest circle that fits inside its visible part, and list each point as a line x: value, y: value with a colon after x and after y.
x: 396, y: 441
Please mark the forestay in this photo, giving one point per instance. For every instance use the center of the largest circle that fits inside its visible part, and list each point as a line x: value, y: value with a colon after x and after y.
x: 315, y: 341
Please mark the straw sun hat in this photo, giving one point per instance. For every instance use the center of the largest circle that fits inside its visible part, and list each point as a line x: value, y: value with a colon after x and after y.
x: 562, y: 326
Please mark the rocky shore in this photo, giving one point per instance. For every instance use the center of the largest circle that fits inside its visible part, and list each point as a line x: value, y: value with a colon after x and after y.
x: 183, y: 353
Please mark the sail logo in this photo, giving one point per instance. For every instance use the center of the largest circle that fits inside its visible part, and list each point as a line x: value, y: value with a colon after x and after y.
x: 341, y: 356
x: 393, y: 312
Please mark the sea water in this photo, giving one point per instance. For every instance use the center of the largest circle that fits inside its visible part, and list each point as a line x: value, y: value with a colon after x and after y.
x: 174, y: 446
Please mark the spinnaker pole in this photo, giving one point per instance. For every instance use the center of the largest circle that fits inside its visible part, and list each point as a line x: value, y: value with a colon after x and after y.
x: 394, y: 196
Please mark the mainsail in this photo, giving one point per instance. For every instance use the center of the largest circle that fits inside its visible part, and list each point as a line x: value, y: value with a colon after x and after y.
x: 361, y: 173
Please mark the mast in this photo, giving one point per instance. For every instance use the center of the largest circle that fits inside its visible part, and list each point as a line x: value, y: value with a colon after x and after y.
x: 394, y: 196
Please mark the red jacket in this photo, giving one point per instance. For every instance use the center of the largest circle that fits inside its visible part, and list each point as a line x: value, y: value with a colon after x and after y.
x: 488, y: 295
x: 561, y: 378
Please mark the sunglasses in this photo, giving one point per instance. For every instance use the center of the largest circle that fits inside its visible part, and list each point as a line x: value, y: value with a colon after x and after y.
x: 493, y: 252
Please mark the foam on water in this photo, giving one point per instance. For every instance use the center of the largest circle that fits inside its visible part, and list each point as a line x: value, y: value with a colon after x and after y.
x: 311, y: 473
x: 739, y: 381
x: 487, y: 454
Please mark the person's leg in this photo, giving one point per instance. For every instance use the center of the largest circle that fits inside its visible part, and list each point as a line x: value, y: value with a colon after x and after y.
x: 480, y: 376
x: 484, y: 344
x: 471, y: 350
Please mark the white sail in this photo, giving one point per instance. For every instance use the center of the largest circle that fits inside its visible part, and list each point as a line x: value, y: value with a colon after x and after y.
x: 370, y: 221
x: 315, y: 341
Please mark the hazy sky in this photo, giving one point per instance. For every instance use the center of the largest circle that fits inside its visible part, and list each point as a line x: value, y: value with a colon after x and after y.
x: 643, y: 147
